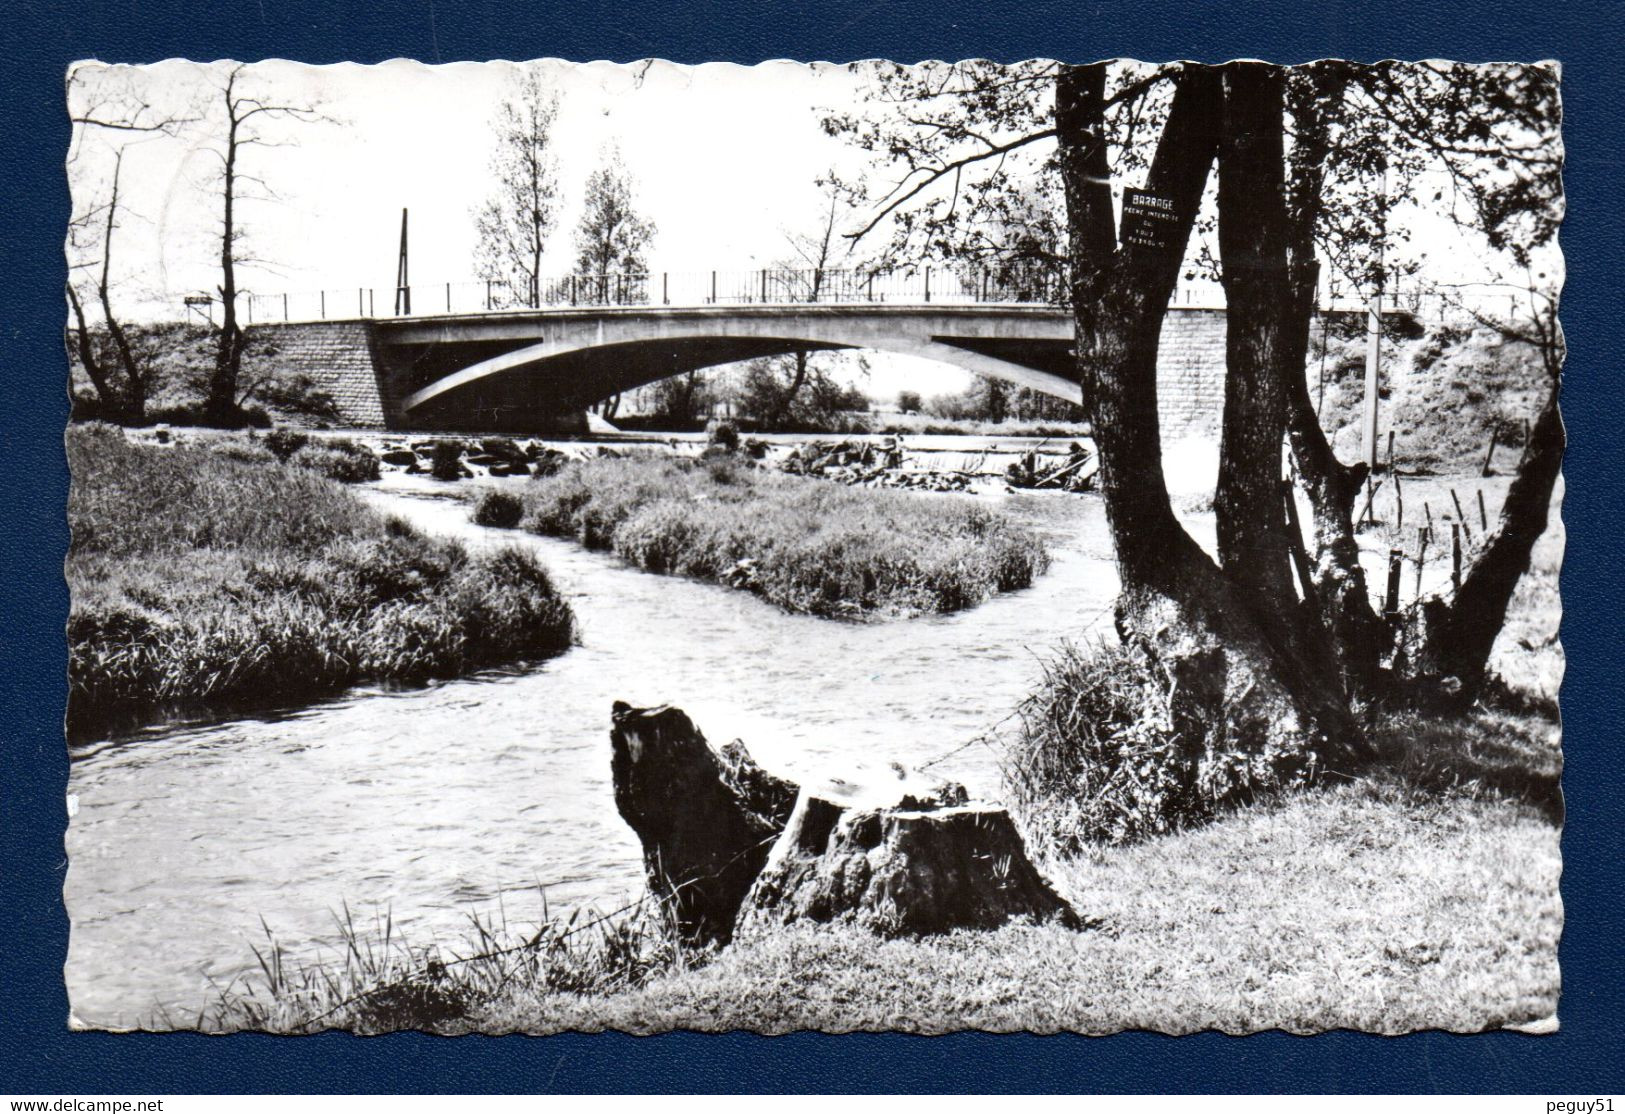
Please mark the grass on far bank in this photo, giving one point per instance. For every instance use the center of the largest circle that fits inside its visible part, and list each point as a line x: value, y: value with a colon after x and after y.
x: 802, y: 544
x: 200, y: 581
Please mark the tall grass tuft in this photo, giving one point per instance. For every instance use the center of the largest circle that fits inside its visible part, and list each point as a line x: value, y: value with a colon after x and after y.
x: 1102, y: 755
x: 803, y: 545
x: 202, y: 582
x: 381, y: 983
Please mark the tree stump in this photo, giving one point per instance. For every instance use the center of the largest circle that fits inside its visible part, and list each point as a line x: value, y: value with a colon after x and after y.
x: 706, y: 818
x: 899, y: 854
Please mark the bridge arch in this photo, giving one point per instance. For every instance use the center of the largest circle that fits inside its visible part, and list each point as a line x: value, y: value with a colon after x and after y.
x: 643, y: 362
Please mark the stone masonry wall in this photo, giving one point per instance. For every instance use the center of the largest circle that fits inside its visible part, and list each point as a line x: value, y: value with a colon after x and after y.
x: 1190, y: 373
x: 338, y: 357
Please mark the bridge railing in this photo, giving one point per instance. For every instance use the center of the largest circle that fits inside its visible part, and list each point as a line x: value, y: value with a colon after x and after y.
x: 1017, y: 284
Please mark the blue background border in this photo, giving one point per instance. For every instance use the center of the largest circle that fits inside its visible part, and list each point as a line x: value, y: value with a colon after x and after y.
x: 38, y: 1054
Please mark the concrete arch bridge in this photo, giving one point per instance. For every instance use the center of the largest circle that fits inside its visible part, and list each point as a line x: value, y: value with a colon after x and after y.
x: 538, y: 370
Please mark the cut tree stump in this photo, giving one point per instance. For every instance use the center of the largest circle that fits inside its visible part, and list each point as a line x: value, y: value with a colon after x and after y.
x: 706, y: 818
x: 899, y: 854
x: 734, y: 847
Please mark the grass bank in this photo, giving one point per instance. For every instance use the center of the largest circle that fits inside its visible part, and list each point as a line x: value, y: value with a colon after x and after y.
x: 1423, y: 898
x: 801, y: 544
x: 201, y: 581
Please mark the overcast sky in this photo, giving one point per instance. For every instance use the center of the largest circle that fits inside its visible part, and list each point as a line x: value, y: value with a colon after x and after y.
x: 725, y: 160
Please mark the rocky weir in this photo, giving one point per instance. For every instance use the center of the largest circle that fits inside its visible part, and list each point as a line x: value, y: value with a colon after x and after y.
x: 735, y: 849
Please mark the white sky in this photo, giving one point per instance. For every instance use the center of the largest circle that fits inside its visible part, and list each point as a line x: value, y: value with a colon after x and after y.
x: 724, y: 159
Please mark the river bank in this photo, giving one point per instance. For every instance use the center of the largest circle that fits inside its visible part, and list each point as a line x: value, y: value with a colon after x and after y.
x: 203, y: 581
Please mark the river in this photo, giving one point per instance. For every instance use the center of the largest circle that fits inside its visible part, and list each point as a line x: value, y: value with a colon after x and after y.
x: 471, y: 796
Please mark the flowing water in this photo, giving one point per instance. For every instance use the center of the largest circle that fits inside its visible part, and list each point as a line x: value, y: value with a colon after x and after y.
x: 477, y: 795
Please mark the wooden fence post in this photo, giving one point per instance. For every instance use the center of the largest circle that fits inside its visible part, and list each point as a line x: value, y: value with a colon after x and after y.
x: 1421, y: 556
x: 1490, y: 455
x: 1460, y: 517
x: 1483, y: 515
x: 1390, y: 603
x: 1455, y: 557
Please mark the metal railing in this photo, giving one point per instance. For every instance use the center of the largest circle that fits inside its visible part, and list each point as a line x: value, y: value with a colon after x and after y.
x: 1033, y: 285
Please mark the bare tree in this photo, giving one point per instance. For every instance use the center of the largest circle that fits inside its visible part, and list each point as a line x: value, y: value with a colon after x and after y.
x: 612, y: 238
x: 804, y: 277
x: 514, y: 223
x: 100, y: 101
x: 243, y: 113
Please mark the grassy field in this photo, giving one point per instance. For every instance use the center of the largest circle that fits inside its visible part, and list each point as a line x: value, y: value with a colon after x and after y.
x: 801, y: 544
x: 205, y: 580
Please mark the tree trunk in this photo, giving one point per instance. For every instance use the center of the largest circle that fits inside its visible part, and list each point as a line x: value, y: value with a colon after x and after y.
x: 1204, y: 630
x: 1456, y: 637
x: 135, y: 389
x: 1357, y: 636
x: 220, y: 406
x: 781, y: 413
x: 1253, y: 250
x: 112, y: 403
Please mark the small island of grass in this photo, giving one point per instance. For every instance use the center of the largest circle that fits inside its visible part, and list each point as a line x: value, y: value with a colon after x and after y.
x: 802, y: 544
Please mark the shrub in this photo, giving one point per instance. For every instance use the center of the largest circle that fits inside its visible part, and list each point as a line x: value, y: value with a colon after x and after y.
x: 236, y: 448
x: 724, y: 435
x: 283, y: 443
x: 1103, y: 754
x: 339, y: 459
x: 499, y: 508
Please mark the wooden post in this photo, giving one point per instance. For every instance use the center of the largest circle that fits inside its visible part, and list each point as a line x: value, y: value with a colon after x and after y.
x: 764, y: 286
x: 713, y: 288
x: 1373, y: 373
x: 323, y: 295
x: 1490, y: 454
x: 1399, y: 499
x: 1460, y: 517
x: 360, y: 302
x: 1421, y: 556
x: 285, y: 315
x: 448, y: 297
x: 1294, y: 538
x: 928, y: 284
x: 1483, y: 515
x: 1455, y: 557
x: 1390, y: 605
x: 665, y: 289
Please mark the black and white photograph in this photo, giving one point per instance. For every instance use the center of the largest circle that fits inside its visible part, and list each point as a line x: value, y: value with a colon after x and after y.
x: 572, y: 546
